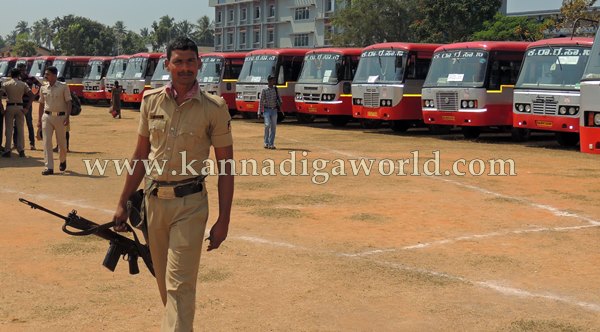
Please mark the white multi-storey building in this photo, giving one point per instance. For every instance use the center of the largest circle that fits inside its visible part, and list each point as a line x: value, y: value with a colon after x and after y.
x: 242, y: 25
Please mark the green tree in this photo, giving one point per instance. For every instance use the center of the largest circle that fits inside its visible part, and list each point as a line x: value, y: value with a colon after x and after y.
x: 42, y: 32
x: 511, y: 28
x: 2, y: 42
x: 205, y: 31
x: 24, y: 46
x: 162, y: 32
x: 366, y: 22
x: 22, y: 27
x: 133, y: 43
x: 79, y: 35
x: 447, y: 21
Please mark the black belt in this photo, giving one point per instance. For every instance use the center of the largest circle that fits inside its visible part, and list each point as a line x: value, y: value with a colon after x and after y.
x: 59, y: 113
x: 14, y: 104
x: 168, y: 191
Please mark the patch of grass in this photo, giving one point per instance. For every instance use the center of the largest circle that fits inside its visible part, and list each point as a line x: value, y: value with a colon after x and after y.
x: 494, y: 260
x: 213, y: 275
x: 307, y: 199
x: 75, y: 246
x: 277, y: 213
x: 53, y: 311
x: 253, y: 185
x: 368, y: 217
x: 503, y: 200
x: 248, y: 202
x: 542, y: 326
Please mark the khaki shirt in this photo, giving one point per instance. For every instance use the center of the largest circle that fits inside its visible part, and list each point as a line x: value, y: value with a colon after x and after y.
x: 192, y: 127
x: 55, y: 97
x: 15, y: 90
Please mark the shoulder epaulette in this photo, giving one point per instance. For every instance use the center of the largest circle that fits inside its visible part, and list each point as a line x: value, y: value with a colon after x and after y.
x: 217, y: 100
x: 154, y: 91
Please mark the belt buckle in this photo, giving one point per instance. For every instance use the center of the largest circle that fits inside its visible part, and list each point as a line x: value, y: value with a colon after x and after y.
x: 166, y: 192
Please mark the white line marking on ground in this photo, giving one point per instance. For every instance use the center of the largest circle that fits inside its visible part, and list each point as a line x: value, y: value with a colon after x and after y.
x: 79, y: 203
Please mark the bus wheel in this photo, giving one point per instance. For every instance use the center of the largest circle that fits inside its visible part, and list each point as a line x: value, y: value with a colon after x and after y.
x: 280, y: 117
x: 338, y: 120
x: 567, y: 139
x: 471, y: 132
x: 305, y: 118
x: 248, y: 115
x: 370, y: 123
x: 400, y: 126
x: 520, y: 134
x: 232, y: 112
x: 439, y: 129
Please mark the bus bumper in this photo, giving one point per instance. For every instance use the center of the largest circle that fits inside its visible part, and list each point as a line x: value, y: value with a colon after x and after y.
x: 331, y: 108
x: 95, y: 95
x: 491, y: 116
x: 246, y: 106
x: 133, y: 98
x: 409, y: 108
x: 589, y: 140
x: 546, y: 122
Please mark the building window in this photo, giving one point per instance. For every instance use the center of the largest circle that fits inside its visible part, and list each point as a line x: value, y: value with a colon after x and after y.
x: 257, y: 36
x: 229, y: 38
x: 231, y: 15
x: 218, y: 39
x: 301, y: 40
x: 219, y: 16
x: 257, y: 12
x: 243, y: 38
x: 302, y: 13
x: 329, y: 5
x: 271, y: 36
x: 272, y: 11
x: 243, y: 14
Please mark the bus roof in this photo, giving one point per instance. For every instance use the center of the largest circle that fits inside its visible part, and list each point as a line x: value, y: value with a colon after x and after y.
x: 146, y: 55
x: 583, y: 41
x: 486, y: 45
x: 404, y: 46
x: 338, y: 50
x: 226, y: 55
x: 9, y: 59
x: 45, y: 57
x: 101, y: 58
x: 27, y: 58
x: 122, y: 56
x: 73, y: 58
x: 280, y: 51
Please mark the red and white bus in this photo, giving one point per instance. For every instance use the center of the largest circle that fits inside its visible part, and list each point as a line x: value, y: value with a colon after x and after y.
x: 26, y: 60
x: 39, y: 65
x: 388, y: 81
x: 93, y: 80
x: 71, y: 70
x: 471, y: 84
x: 161, y: 75
x: 218, y: 75
x: 284, y: 63
x: 115, y: 72
x: 324, y: 87
x: 589, y: 124
x: 547, y: 92
x: 6, y: 65
x: 138, y: 74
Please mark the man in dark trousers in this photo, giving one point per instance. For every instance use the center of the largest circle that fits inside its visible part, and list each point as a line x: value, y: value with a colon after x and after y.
x: 16, y: 110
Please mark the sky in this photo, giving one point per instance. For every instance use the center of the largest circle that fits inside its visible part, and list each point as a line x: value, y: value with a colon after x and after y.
x: 136, y: 14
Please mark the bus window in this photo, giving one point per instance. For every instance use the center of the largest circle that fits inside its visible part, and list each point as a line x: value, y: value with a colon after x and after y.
x: 504, y: 70
x: 417, y: 68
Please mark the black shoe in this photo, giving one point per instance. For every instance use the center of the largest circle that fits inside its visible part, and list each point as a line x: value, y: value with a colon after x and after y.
x: 32, y: 147
x: 6, y: 154
x: 55, y: 149
x: 48, y: 172
x: 22, y: 154
x: 63, y: 166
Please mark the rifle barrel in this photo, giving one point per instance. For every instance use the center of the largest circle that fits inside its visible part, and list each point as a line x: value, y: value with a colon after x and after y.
x: 39, y: 207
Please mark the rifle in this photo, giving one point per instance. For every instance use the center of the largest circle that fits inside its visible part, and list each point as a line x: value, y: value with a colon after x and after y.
x: 120, y: 246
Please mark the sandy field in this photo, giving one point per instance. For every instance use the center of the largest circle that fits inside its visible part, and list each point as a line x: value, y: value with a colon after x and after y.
x: 357, y: 253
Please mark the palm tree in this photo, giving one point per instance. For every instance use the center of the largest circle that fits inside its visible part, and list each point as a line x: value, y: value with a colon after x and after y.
x: 22, y: 27
x: 120, y: 31
x: 46, y: 32
x: 185, y: 29
x: 205, y: 31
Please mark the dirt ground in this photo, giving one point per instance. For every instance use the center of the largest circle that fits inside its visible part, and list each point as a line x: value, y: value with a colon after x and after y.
x: 358, y: 253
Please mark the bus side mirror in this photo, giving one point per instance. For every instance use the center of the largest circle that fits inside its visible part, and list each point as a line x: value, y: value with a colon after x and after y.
x: 347, y: 88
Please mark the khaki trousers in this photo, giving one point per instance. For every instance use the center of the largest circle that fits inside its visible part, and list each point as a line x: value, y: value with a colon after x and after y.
x: 14, y: 113
x: 175, y: 233
x: 50, y: 124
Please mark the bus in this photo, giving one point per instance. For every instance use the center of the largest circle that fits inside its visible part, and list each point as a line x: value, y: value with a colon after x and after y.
x: 387, y: 85
x: 547, y: 92
x: 115, y: 72
x: 138, y: 74
x: 161, y: 75
x: 93, y: 80
x: 218, y: 75
x: 325, y: 84
x: 71, y: 70
x: 470, y: 85
x: 589, y: 122
x: 6, y: 65
x: 284, y: 63
x: 39, y: 65
x: 26, y: 60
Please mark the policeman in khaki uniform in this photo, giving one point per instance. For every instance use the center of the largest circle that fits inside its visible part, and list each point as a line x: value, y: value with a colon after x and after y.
x: 15, y: 89
x: 54, y: 112
x: 174, y: 119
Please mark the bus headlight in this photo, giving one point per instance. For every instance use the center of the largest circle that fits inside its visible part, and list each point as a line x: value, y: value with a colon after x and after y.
x: 562, y: 110
x: 520, y: 107
x: 298, y: 96
x: 464, y: 104
x: 357, y: 101
x: 597, y: 119
x: 573, y: 110
x: 238, y: 96
x: 527, y: 108
x: 468, y: 103
x: 385, y: 102
x: 428, y: 103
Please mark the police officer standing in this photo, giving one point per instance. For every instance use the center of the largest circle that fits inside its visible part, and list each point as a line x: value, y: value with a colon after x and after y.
x: 15, y: 89
x: 30, y: 81
x: 53, y: 115
x: 178, y: 124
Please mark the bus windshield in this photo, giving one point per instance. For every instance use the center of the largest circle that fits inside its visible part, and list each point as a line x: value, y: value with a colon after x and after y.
x: 161, y: 73
x: 38, y: 67
x: 257, y: 68
x: 136, y: 67
x: 559, y: 67
x: 320, y: 68
x: 211, y: 70
x: 93, y: 70
x: 592, y: 70
x: 457, y: 68
x: 116, y: 68
x: 381, y: 66
x: 4, y: 68
x: 60, y: 66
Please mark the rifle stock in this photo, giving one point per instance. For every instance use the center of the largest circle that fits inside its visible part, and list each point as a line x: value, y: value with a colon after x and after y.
x: 120, y: 246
